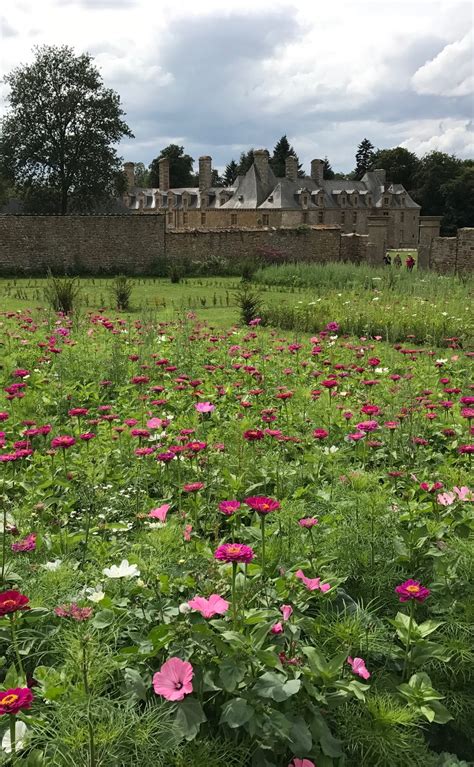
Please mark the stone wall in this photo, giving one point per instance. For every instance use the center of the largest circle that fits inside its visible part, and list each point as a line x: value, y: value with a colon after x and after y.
x: 320, y: 244
x: 81, y: 244
x: 452, y: 254
x: 354, y: 248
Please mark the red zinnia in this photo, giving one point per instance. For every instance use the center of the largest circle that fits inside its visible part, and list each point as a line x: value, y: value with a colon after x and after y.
x: 261, y: 504
x: 11, y: 601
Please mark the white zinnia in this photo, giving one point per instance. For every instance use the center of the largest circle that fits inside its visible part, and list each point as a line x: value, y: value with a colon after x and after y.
x: 21, y: 731
x: 52, y: 566
x: 123, y: 570
x: 95, y: 594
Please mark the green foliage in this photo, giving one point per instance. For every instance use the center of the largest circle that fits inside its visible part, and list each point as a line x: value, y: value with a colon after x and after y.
x: 58, y: 135
x: 281, y: 151
x: 121, y: 290
x: 62, y: 293
x: 364, y: 158
x: 181, y: 168
x: 230, y: 173
x: 249, y: 302
x: 402, y: 166
x: 328, y: 173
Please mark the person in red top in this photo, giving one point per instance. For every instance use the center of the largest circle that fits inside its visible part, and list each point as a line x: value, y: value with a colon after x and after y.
x: 410, y: 263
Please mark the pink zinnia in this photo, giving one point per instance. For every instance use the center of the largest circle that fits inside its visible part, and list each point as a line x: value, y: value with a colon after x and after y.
x: 234, y: 552
x: 312, y: 584
x: 63, y: 441
x: 214, y: 605
x: 27, y: 544
x: 174, y: 679
x: 229, y: 507
x: 320, y: 434
x: 308, y: 522
x: 160, y: 512
x: 193, y: 487
x: 411, y: 589
x: 204, y: 407
x: 358, y: 667
x: 368, y: 426
x: 286, y: 611
x: 334, y: 327
x: 14, y: 700
x: 261, y: 504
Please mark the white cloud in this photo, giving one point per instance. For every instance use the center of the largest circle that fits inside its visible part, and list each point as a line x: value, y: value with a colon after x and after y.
x: 451, y: 72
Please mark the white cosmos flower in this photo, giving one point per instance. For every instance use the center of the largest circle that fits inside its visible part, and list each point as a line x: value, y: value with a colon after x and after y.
x: 52, y: 566
x: 330, y: 450
x: 123, y: 570
x: 95, y: 594
x: 381, y: 370
x: 21, y: 732
x: 441, y: 361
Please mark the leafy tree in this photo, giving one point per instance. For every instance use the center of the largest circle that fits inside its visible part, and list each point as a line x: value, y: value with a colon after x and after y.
x: 217, y: 179
x: 328, y: 172
x: 458, y: 196
x: 245, y: 162
x: 58, y: 135
x: 230, y: 173
x: 364, y: 158
x: 401, y: 165
x: 181, y: 168
x: 435, y: 170
x: 281, y: 151
x: 142, y: 175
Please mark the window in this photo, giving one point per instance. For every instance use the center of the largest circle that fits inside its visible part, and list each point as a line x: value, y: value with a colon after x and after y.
x: 320, y: 217
x: 385, y: 200
x: 170, y: 218
x: 385, y: 212
x: 305, y: 201
x: 354, y: 218
x: 203, y: 219
x: 402, y: 237
x: 402, y: 201
x: 369, y: 201
x: 185, y: 219
x: 320, y: 200
x: 343, y: 200
x: 266, y: 219
x: 233, y: 219
x: 355, y: 201
x: 402, y: 217
x: 185, y: 203
x: 343, y: 217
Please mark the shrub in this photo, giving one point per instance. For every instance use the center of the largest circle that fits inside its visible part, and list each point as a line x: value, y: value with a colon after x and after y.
x: 121, y: 290
x: 249, y: 301
x: 62, y: 293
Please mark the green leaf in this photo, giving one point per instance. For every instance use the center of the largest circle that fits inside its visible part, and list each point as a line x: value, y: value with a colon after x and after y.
x: 236, y: 712
x: 442, y: 714
x: 103, y: 619
x: 317, y: 662
x: 428, y: 627
x: 135, y: 684
x: 322, y: 735
x: 231, y: 673
x: 275, y: 686
x: 300, y: 736
x: 189, y: 718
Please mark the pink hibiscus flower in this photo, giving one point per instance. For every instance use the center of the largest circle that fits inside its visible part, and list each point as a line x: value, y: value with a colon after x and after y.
x: 286, y: 611
x: 214, y: 605
x: 160, y: 512
x: 174, y: 679
x: 358, y: 667
x: 312, y: 584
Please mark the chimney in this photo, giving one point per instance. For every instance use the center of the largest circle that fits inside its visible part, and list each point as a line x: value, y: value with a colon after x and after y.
x: 205, y: 173
x: 129, y: 170
x: 261, y: 163
x: 381, y: 177
x: 317, y: 171
x: 291, y: 168
x: 164, y: 173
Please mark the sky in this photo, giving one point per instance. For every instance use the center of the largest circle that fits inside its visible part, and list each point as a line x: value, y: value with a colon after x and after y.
x: 221, y: 76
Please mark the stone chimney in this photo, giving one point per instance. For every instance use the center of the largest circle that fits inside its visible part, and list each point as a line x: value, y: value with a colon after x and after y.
x: 261, y: 157
x: 205, y: 173
x: 129, y: 170
x: 381, y: 176
x: 291, y: 168
x: 317, y: 171
x: 164, y: 173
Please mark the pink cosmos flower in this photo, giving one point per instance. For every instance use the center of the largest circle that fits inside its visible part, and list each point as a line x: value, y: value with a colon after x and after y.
x: 277, y: 628
x: 312, y: 584
x: 26, y: 544
x: 411, y: 589
x: 358, y: 667
x: 302, y: 762
x: 308, y: 522
x: 173, y: 680
x: 446, y: 499
x: 234, y: 552
x: 229, y: 507
x: 262, y: 504
x: 204, y: 407
x: 160, y: 512
x: 214, y: 605
x: 286, y: 611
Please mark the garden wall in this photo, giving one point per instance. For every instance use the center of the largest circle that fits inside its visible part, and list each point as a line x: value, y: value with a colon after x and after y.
x: 81, y: 244
x: 452, y: 254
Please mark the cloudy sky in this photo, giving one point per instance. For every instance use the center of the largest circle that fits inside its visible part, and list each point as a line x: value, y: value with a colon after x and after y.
x: 220, y: 76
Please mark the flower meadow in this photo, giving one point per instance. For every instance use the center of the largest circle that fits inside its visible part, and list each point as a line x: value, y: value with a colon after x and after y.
x: 232, y: 546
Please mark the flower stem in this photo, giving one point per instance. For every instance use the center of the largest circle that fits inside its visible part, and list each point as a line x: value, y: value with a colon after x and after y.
x: 4, y: 542
x: 92, y: 760
x: 15, y: 645
x: 234, y: 600
x: 13, y: 736
x: 262, y: 526
x: 407, y: 648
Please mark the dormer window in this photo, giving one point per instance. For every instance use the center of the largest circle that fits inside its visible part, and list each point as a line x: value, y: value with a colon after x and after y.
x: 185, y: 203
x: 343, y: 200
x: 386, y: 201
x: 402, y: 201
x: 320, y: 200
x: 369, y: 201
x: 355, y: 200
x: 270, y: 199
x: 305, y: 200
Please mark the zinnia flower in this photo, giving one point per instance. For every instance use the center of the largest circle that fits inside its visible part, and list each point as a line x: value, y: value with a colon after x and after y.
x: 11, y: 601
x: 14, y: 700
x: 253, y: 435
x: 27, y: 544
x: 261, y: 504
x: 214, y: 605
x: 63, y: 441
x: 204, y: 407
x: 308, y: 522
x: 412, y: 590
x: 229, y: 507
x: 234, y: 552
x: 173, y: 680
x: 193, y: 487
x: 320, y: 434
x: 312, y: 584
x: 358, y: 667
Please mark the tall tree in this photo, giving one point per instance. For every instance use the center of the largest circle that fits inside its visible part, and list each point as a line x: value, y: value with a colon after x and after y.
x: 181, y: 168
x: 142, y: 175
x: 281, y: 151
x: 435, y: 170
x: 328, y: 172
x: 364, y: 158
x: 401, y: 165
x: 230, y: 173
x: 58, y: 135
x: 458, y: 197
x: 245, y: 162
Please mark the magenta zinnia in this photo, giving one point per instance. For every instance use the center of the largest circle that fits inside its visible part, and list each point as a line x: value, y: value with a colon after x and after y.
x: 261, y: 504
x: 234, y: 552
x: 229, y: 507
x: 412, y: 590
x: 14, y: 700
x: 11, y: 601
x: 174, y: 679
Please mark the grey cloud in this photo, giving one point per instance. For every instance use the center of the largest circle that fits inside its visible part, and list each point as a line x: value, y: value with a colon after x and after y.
x: 6, y: 30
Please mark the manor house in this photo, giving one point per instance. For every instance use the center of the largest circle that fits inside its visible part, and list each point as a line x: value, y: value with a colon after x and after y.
x: 259, y: 199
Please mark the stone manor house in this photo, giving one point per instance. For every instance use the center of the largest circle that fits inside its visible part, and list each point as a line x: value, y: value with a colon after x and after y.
x: 259, y: 199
